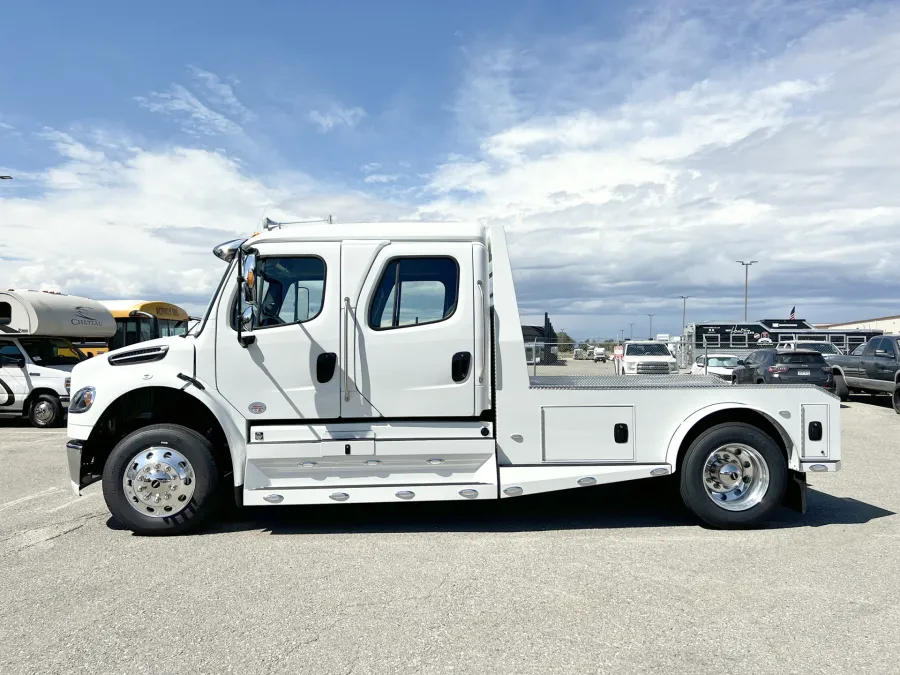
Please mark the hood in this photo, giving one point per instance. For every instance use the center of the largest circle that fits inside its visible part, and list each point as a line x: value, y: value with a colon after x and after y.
x: 50, y: 371
x: 180, y: 349
x: 658, y: 359
x: 719, y: 370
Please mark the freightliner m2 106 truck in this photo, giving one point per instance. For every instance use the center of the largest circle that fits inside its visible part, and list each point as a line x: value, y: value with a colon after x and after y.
x: 341, y: 364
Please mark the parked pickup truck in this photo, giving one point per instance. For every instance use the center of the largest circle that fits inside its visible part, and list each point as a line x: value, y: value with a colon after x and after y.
x: 874, y: 370
x: 399, y: 376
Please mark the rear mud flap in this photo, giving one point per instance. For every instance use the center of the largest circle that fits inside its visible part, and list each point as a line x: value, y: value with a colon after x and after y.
x: 795, y: 494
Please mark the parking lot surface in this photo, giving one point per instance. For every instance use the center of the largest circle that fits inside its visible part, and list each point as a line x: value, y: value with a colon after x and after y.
x: 614, y: 579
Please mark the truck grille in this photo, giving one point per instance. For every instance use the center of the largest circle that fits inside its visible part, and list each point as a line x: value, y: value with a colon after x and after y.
x: 652, y: 368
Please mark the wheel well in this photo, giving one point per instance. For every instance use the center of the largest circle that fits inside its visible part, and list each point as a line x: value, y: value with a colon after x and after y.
x: 732, y: 416
x: 34, y: 393
x: 153, y: 405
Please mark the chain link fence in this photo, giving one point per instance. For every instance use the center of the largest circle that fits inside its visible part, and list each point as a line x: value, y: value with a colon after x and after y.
x: 566, y: 358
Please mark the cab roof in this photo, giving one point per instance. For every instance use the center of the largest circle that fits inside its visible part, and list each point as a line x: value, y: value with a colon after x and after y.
x: 393, y: 231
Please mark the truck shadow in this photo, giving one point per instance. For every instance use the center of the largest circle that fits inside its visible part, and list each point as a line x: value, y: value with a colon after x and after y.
x: 602, y: 507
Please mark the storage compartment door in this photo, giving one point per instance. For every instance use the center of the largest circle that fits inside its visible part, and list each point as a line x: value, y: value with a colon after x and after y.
x: 588, y: 433
x: 815, y: 431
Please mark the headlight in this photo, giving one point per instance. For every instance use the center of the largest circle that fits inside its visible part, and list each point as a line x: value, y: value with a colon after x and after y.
x: 631, y: 366
x: 82, y: 401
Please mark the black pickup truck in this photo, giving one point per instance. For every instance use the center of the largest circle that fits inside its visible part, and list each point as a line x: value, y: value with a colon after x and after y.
x: 873, y: 368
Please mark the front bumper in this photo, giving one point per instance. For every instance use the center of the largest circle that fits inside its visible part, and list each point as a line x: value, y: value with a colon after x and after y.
x: 73, y: 454
x: 65, y: 400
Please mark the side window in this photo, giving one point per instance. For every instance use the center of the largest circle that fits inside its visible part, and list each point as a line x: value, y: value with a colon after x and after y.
x: 9, y: 353
x: 289, y: 290
x: 749, y: 361
x: 5, y: 313
x: 415, y: 291
x: 700, y: 361
x: 887, y: 344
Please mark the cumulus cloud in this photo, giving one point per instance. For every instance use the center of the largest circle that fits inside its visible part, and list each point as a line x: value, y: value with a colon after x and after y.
x: 142, y: 222
x: 622, y: 201
x: 336, y: 116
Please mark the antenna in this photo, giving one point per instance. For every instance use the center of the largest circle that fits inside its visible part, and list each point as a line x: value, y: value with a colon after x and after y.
x: 270, y: 224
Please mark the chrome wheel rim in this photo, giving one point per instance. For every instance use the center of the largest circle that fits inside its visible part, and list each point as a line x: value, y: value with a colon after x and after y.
x: 735, y: 477
x: 43, y: 412
x: 159, y: 482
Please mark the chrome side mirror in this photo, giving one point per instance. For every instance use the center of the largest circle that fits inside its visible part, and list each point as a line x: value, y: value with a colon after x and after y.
x: 248, y: 274
x: 247, y: 320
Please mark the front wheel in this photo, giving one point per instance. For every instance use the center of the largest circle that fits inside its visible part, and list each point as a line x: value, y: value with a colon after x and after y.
x: 895, y: 400
x: 733, y: 476
x: 45, y: 411
x: 161, y: 479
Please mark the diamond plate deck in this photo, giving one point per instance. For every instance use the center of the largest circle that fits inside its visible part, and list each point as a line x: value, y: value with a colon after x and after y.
x: 644, y: 382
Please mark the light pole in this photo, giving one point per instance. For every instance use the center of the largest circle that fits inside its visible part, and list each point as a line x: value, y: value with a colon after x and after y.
x: 746, y: 281
x: 631, y: 334
x: 651, y: 325
x: 684, y: 299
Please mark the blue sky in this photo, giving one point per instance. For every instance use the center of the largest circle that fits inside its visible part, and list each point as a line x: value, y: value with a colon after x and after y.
x: 632, y: 150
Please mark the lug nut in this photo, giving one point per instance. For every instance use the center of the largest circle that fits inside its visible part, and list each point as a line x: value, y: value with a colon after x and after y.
x: 746, y: 479
x: 723, y: 497
x: 738, y: 452
x: 746, y: 465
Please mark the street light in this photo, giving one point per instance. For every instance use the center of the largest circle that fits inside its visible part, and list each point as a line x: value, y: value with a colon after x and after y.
x: 651, y: 325
x: 631, y: 334
x: 746, y: 281
x: 684, y: 299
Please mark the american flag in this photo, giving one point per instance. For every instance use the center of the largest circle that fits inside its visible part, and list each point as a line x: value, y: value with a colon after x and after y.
x: 793, y: 310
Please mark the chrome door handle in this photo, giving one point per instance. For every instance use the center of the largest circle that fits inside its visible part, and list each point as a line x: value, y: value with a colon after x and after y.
x: 484, y: 335
x: 346, y: 349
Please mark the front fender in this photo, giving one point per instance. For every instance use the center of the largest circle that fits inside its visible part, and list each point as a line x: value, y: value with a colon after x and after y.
x: 698, y: 416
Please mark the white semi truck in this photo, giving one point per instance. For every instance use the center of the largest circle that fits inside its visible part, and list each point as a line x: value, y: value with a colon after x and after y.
x: 398, y: 376
x: 36, y: 355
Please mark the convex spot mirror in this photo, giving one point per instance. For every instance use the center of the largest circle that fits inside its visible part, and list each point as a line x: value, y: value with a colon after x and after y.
x: 247, y: 319
x: 248, y: 274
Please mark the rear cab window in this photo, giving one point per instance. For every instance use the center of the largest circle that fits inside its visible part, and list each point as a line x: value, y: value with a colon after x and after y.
x: 415, y: 291
x: 809, y: 359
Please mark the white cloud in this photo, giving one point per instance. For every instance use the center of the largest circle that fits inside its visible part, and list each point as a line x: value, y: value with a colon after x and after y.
x: 381, y: 177
x: 635, y: 196
x: 370, y: 167
x: 197, y: 118
x: 221, y: 93
x: 336, y: 116
x: 143, y: 223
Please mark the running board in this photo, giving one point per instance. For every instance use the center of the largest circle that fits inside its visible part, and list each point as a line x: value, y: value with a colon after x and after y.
x: 368, y: 495
x: 526, y: 480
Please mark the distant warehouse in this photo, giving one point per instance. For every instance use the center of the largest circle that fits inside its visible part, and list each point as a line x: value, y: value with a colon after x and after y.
x: 888, y: 324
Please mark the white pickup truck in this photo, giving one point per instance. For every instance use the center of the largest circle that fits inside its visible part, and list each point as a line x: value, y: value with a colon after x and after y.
x: 646, y: 357
x: 384, y: 363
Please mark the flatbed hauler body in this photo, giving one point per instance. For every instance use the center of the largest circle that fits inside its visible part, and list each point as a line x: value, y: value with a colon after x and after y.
x: 384, y: 362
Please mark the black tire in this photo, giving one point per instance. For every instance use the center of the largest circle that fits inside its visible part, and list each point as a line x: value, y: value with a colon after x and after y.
x: 45, y: 411
x: 760, y: 382
x: 841, y: 390
x: 895, y: 400
x: 194, y: 447
x: 694, y: 494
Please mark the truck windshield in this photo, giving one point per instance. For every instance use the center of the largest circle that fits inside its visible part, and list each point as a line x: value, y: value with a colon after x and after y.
x: 802, y: 359
x: 647, y: 350
x: 51, y: 351
x: 723, y: 362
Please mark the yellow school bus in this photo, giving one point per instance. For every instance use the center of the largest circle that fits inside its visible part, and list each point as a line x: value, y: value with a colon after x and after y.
x: 139, y: 320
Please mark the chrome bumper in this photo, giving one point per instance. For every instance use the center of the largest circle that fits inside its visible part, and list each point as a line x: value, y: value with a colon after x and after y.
x: 73, y: 453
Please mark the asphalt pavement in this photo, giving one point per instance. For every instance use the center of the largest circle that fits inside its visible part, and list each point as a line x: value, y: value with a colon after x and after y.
x: 613, y: 579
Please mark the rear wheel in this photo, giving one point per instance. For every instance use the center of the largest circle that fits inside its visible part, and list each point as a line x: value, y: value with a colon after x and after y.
x: 733, y: 476
x: 45, y: 411
x: 840, y: 388
x: 161, y: 479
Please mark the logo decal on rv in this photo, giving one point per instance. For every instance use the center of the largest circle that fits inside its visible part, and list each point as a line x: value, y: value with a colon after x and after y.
x: 10, y: 396
x: 257, y: 407
x: 84, y: 319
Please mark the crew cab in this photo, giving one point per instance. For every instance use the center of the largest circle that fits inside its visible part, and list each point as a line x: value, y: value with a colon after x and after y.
x: 362, y: 363
x: 873, y: 369
x: 646, y: 357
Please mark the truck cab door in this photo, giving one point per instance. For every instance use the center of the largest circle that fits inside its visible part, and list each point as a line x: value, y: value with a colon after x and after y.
x: 867, y: 363
x: 410, y: 333
x: 289, y: 371
x: 885, y: 361
x: 13, y: 384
